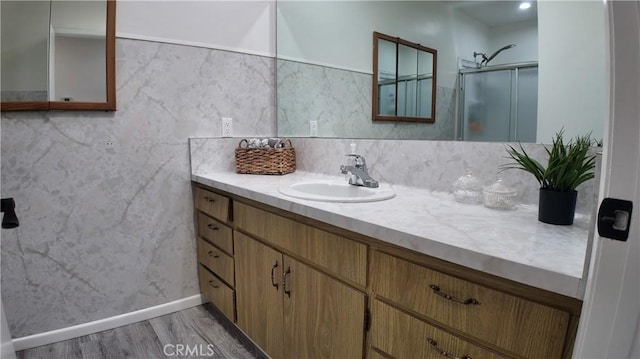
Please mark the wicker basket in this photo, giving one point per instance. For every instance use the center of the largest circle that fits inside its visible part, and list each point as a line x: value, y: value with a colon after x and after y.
x: 265, y: 161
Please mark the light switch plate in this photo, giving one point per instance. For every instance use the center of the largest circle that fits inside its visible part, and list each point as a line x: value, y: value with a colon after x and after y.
x: 313, y: 128
x: 227, y: 127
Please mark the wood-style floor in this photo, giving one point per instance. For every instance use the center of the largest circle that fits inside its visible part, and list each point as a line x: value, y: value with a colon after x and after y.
x: 198, y: 332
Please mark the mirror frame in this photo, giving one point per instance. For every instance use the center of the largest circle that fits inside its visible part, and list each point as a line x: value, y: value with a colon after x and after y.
x: 374, y: 98
x: 108, y: 105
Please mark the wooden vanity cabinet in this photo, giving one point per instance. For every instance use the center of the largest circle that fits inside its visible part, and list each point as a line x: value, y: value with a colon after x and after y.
x: 300, y: 288
x: 216, y: 272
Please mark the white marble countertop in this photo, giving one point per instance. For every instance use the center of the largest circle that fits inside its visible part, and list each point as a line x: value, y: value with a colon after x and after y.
x: 510, y: 244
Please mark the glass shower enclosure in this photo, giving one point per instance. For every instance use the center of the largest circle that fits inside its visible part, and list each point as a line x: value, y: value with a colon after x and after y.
x: 499, y: 103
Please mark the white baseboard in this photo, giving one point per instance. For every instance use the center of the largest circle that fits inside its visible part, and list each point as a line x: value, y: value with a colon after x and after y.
x: 36, y: 340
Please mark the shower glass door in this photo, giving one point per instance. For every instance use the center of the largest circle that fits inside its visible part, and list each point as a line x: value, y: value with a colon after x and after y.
x: 499, y: 104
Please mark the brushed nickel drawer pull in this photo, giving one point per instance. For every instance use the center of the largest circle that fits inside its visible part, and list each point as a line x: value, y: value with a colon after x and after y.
x: 211, y: 283
x: 212, y: 227
x: 284, y: 282
x: 273, y: 280
x: 446, y: 296
x: 444, y: 353
x: 209, y: 199
x: 210, y: 253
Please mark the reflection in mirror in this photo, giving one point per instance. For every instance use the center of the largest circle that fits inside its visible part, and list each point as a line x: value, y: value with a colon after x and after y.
x: 324, y: 67
x: 78, y: 51
x: 324, y: 63
x: 386, y: 78
x: 63, y: 60
x: 403, y: 86
x: 25, y: 42
x: 406, y: 82
x: 499, y: 103
x: 426, y: 85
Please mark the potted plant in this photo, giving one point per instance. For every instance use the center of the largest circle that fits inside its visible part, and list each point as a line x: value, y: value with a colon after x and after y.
x: 568, y: 166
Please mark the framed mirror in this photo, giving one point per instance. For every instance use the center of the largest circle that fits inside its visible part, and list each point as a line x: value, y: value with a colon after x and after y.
x: 58, y: 55
x: 404, y: 80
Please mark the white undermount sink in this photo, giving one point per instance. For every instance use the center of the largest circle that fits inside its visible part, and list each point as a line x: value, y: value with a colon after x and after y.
x: 336, y: 191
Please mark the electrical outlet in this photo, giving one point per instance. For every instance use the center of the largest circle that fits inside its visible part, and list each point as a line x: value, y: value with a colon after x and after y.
x: 227, y: 126
x: 313, y: 128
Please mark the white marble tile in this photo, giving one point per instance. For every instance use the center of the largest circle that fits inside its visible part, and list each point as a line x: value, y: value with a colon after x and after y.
x: 176, y: 92
x: 213, y: 154
x: 106, y: 230
x: 510, y: 244
x: 97, y: 236
x: 340, y: 101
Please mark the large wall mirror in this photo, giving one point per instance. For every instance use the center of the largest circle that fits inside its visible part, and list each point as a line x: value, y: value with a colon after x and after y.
x: 58, y: 55
x: 404, y: 80
x: 325, y: 67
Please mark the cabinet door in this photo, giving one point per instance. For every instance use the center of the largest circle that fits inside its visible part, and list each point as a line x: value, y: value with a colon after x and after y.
x: 323, y: 317
x: 258, y: 299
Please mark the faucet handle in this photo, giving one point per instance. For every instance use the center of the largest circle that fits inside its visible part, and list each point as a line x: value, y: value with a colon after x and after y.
x: 360, y: 161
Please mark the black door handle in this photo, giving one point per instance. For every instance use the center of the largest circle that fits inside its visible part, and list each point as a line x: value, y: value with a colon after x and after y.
x: 614, y: 218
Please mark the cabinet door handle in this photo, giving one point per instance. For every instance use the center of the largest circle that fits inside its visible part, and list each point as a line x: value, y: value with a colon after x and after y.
x: 211, y: 283
x: 210, y: 253
x: 436, y: 290
x: 212, y: 227
x: 284, y: 282
x: 273, y: 279
x: 209, y: 199
x: 444, y: 353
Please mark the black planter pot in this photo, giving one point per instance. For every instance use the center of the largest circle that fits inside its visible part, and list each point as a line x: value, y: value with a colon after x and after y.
x: 556, y: 207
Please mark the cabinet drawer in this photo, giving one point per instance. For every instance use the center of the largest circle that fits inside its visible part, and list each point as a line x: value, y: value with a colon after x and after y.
x: 518, y: 325
x: 217, y: 261
x: 213, y: 204
x: 215, y: 232
x: 403, y: 336
x: 217, y: 292
x: 344, y: 257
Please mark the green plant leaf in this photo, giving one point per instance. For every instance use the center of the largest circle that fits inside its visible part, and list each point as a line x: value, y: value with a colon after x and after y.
x: 568, y: 165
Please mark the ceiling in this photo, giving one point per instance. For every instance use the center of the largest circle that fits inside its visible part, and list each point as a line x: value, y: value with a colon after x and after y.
x: 496, y: 13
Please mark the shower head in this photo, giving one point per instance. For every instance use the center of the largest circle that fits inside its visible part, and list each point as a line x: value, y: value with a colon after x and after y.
x: 476, y: 54
x: 486, y: 60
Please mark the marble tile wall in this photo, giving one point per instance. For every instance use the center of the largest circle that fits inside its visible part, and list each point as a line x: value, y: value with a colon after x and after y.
x: 106, y: 230
x: 213, y: 154
x: 340, y: 101
x: 434, y: 165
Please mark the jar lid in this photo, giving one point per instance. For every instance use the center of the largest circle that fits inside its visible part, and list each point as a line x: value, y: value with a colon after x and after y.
x: 500, y: 188
x: 468, y: 182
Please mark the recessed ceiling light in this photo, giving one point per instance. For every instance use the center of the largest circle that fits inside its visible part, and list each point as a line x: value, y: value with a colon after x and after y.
x: 525, y: 5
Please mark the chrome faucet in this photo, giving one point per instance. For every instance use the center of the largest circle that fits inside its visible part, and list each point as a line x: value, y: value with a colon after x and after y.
x: 358, y: 175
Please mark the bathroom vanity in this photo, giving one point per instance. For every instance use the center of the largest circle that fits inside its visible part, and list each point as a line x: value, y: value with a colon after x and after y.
x: 308, y: 279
